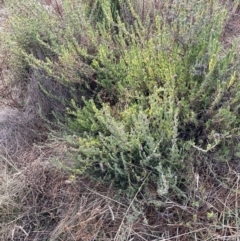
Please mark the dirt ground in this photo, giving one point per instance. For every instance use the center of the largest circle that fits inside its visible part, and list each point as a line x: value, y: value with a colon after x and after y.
x: 232, y: 28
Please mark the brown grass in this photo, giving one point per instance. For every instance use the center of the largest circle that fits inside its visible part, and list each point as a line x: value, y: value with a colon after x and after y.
x: 42, y: 202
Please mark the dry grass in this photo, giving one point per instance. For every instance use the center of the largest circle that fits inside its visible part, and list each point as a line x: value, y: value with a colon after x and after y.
x: 42, y: 202
x: 28, y: 123
x: 56, y: 208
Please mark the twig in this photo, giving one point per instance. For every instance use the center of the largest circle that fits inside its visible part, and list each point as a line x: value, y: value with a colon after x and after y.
x: 91, y: 190
x: 8, y: 162
x: 237, y: 208
x: 111, y: 211
x: 121, y: 224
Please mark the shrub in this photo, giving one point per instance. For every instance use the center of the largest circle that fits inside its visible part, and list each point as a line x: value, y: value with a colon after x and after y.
x: 163, y: 94
x: 156, y: 83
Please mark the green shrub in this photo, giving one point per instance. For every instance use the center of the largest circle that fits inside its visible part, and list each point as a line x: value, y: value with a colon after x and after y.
x: 157, y: 85
x: 162, y: 98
